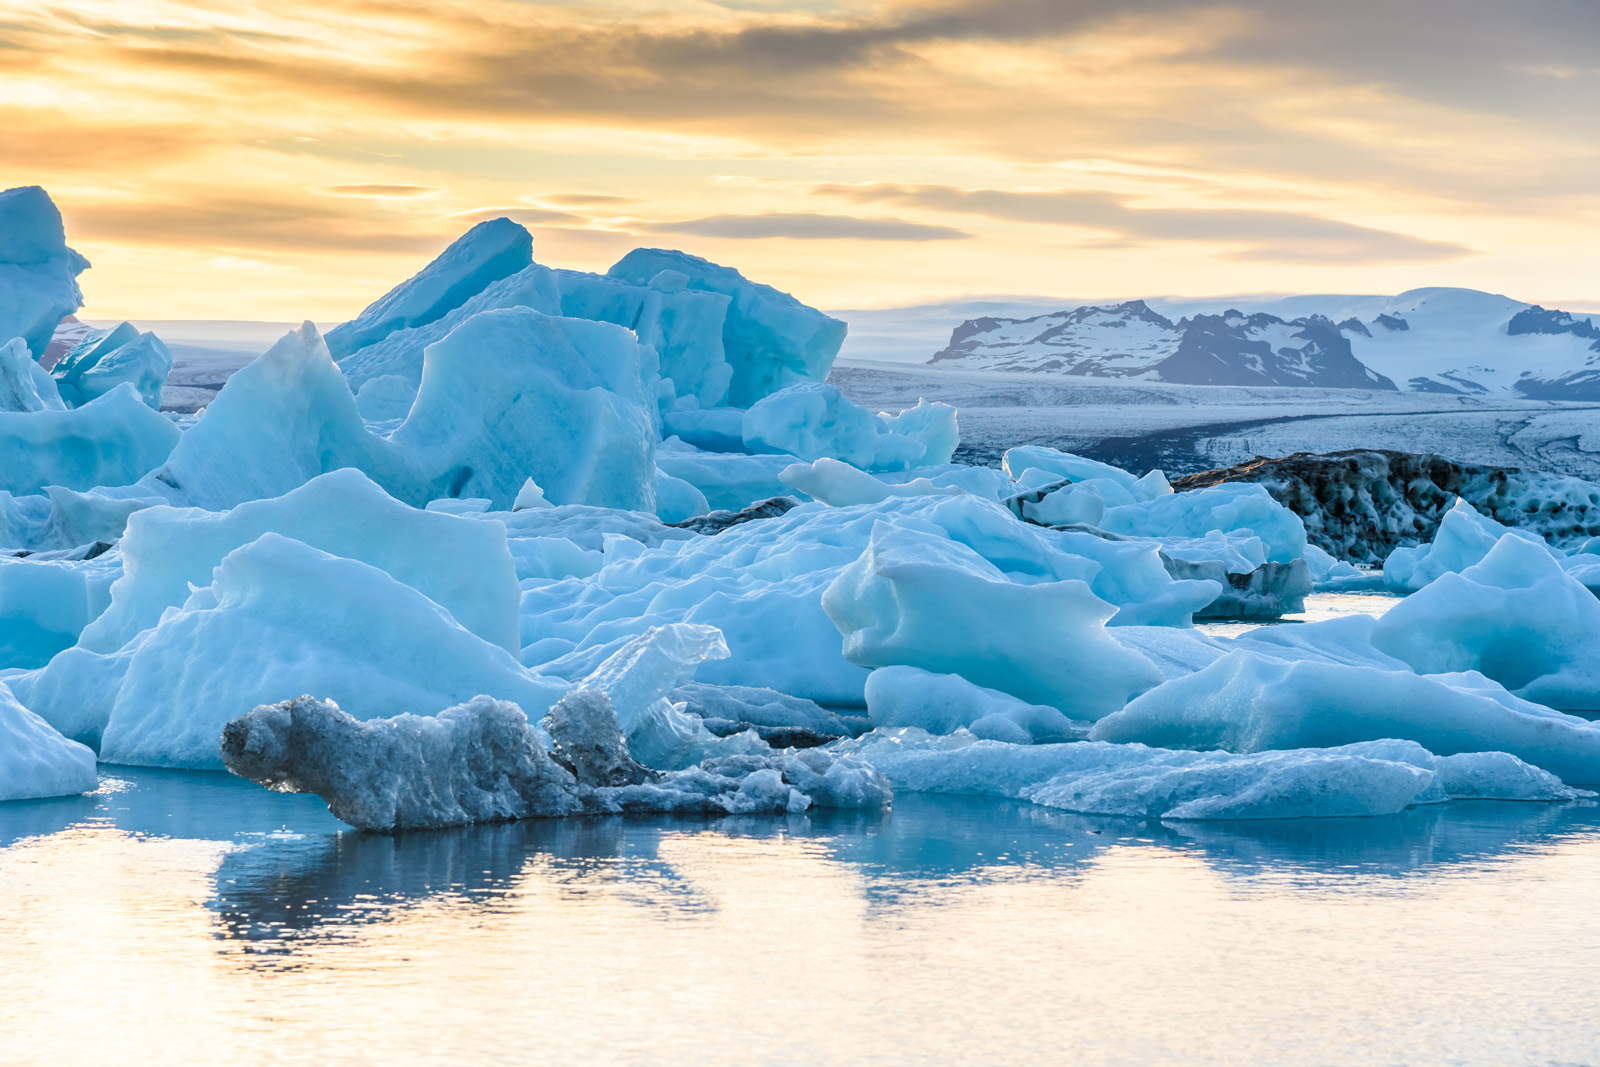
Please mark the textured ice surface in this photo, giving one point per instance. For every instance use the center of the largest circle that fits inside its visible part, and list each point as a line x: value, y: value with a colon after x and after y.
x: 1227, y: 508
x: 38, y: 272
x: 812, y: 420
x: 401, y: 354
x: 102, y: 362
x: 24, y: 385
x: 944, y: 703
x: 683, y: 325
x: 45, y: 604
x: 483, y: 762
x: 1248, y: 702
x: 1516, y: 616
x: 111, y: 441
x: 841, y: 485
x: 462, y: 565
x: 484, y: 254
x: 513, y: 394
x: 1044, y: 643
x: 769, y: 338
x: 279, y: 617
x: 1463, y: 538
x: 1372, y: 778
x: 35, y: 760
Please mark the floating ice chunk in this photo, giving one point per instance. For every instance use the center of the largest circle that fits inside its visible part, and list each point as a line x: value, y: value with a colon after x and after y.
x: 1072, y: 504
x: 463, y: 565
x: 1324, y: 568
x: 839, y: 484
x: 24, y: 385
x: 111, y: 441
x: 38, y: 272
x: 281, y: 617
x: 932, y: 425
x: 812, y: 420
x: 1241, y: 552
x: 1246, y: 702
x: 1133, y: 780
x: 1062, y: 465
x: 769, y: 338
x: 1464, y: 537
x: 514, y: 393
x: 45, y: 604
x: 1229, y: 508
x: 777, y: 717
x: 943, y: 703
x: 386, y: 397
x: 683, y: 325
x: 483, y: 762
x: 1498, y: 776
x: 678, y: 500
x: 1044, y: 643
x: 35, y: 760
x: 489, y: 251
x: 102, y: 362
x: 711, y: 429
x: 403, y: 353
x: 1516, y: 616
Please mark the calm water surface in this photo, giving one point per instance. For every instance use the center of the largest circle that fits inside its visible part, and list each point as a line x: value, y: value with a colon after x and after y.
x: 180, y: 918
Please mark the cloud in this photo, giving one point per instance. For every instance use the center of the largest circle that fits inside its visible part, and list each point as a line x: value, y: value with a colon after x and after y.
x: 804, y: 226
x: 580, y: 200
x: 382, y: 192
x: 528, y: 216
x: 1283, y: 236
x: 239, y: 223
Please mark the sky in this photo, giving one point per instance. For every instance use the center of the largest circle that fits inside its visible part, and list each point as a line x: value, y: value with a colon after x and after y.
x: 269, y: 159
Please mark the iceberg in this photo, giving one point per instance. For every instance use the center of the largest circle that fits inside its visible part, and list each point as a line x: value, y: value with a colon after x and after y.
x: 45, y: 604
x: 24, y: 385
x: 769, y: 338
x: 1044, y: 643
x: 279, y: 617
x: 482, y: 761
x: 1516, y: 616
x: 38, y: 272
x: 401, y: 355
x: 944, y: 703
x: 1463, y: 538
x: 114, y: 440
x: 1249, y: 702
x: 486, y: 253
x: 1227, y: 508
x: 35, y: 760
x: 100, y: 363
x: 465, y: 566
x: 683, y: 325
x: 514, y: 393
x: 812, y: 420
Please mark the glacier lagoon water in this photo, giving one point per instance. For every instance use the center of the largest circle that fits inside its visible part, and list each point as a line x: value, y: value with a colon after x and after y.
x: 190, y: 917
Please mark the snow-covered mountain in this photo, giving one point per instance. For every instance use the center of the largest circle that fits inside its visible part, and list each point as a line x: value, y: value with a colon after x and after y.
x: 1426, y: 340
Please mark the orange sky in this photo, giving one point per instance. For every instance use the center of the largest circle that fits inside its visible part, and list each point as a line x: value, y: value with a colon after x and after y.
x: 247, y: 159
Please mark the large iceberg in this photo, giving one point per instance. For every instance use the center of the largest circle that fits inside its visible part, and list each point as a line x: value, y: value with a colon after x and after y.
x: 514, y: 393
x: 24, y: 385
x: 489, y: 251
x: 398, y: 358
x: 38, y: 272
x: 278, y: 618
x: 769, y: 338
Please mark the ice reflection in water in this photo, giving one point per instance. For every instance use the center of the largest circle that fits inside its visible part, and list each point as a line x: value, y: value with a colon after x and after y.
x: 191, y: 918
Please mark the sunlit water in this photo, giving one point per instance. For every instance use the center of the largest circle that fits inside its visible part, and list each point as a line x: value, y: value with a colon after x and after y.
x: 181, y: 918
x: 1319, y: 607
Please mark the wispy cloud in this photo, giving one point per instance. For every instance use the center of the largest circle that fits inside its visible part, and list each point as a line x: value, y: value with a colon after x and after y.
x: 804, y: 226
